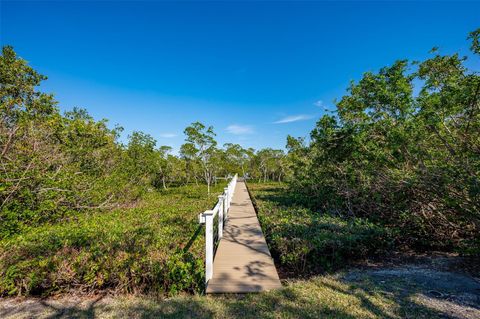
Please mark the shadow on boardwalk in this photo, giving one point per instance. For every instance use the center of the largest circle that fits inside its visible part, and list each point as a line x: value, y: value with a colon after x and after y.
x: 242, y: 261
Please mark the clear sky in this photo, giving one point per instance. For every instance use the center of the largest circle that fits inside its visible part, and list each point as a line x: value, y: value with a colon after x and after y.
x: 256, y: 71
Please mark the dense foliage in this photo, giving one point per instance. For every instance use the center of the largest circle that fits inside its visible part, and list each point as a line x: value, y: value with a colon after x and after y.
x: 403, y: 149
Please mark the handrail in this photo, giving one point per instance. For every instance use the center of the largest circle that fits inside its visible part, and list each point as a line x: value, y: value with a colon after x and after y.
x: 221, y: 209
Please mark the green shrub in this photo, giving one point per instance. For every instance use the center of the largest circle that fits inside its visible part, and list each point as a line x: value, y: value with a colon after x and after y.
x: 184, y: 272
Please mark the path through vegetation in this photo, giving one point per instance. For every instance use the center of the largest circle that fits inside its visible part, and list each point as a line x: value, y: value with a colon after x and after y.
x: 243, y: 262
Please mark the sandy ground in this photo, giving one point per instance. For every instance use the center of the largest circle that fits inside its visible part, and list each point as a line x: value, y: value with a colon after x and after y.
x: 455, y: 295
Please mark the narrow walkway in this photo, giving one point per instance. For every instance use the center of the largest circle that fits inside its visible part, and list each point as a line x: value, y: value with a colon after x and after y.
x: 243, y: 262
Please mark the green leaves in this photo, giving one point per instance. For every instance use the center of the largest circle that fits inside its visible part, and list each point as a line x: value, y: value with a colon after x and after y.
x: 475, y: 37
x: 389, y: 153
x: 378, y: 96
x: 201, y: 147
x: 201, y: 137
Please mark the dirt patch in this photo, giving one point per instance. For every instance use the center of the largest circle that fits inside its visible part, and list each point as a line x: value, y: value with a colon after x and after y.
x: 436, y: 282
x: 434, y: 260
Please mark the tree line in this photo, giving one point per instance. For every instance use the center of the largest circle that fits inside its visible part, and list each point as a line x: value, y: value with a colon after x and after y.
x: 53, y: 165
x: 201, y: 161
x: 403, y: 149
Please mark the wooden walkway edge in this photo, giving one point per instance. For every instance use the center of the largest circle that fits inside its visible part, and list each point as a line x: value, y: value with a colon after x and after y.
x: 242, y: 262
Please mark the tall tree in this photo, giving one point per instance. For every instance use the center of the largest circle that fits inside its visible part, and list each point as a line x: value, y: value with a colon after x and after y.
x: 164, y: 164
x: 201, y: 144
x: 236, y: 158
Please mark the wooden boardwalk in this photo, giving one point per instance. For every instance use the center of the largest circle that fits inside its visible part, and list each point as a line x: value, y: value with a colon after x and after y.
x: 242, y: 262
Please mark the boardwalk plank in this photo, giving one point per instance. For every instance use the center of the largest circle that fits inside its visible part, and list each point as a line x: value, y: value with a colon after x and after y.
x: 243, y: 262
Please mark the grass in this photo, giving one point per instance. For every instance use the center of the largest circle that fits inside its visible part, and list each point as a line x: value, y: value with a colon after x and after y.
x: 325, y: 296
x: 149, y: 248
x: 302, y: 240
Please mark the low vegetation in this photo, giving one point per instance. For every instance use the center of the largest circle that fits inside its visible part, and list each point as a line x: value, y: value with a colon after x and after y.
x: 305, y: 241
x: 151, y: 248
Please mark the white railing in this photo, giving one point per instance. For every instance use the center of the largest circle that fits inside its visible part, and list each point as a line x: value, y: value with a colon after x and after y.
x: 213, y: 237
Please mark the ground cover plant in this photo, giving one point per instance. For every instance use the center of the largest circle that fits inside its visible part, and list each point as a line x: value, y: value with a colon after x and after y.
x: 304, y: 240
x: 150, y: 248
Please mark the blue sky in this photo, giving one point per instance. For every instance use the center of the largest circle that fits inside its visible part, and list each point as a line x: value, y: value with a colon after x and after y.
x: 256, y: 71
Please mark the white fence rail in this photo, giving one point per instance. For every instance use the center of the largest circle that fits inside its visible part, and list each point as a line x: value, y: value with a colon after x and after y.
x: 212, y: 235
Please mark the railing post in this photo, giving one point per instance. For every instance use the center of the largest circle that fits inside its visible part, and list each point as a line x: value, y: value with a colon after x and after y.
x: 226, y: 191
x: 220, y: 216
x: 208, y: 245
x: 225, y: 209
x: 230, y: 194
